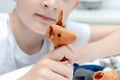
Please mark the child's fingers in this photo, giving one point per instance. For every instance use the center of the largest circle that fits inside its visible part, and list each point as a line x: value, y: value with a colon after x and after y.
x: 61, y: 69
x: 47, y: 74
x: 62, y: 52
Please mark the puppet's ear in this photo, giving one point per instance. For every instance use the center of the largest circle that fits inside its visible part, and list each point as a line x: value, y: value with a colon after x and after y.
x: 59, y: 21
x: 50, y: 33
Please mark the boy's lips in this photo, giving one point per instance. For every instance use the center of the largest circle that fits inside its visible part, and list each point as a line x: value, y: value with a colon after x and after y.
x: 45, y: 18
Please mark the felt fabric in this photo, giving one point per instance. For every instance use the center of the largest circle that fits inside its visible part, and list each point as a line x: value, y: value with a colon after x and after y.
x: 107, y: 75
x: 94, y: 68
x: 112, y: 63
x: 83, y: 74
x: 58, y: 35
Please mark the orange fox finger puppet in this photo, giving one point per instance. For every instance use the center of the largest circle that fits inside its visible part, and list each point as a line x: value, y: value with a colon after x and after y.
x: 58, y: 35
x: 107, y: 75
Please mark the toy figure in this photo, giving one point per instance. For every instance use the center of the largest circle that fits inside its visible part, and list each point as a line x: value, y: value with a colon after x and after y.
x: 113, y: 63
x: 106, y: 75
x: 59, y: 35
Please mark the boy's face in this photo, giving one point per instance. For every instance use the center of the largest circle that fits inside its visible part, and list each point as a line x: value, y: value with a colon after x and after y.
x: 39, y: 14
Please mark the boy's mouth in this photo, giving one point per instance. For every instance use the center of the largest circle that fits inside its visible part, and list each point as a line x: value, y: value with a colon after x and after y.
x: 45, y: 18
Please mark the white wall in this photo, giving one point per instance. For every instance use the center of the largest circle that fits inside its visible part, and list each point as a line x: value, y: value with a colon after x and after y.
x: 6, y: 5
x: 109, y: 13
x: 111, y: 4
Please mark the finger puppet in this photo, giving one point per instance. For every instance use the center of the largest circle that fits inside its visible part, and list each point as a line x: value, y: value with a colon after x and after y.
x: 113, y: 63
x: 106, y: 75
x: 58, y: 35
x: 91, y: 67
x: 83, y: 74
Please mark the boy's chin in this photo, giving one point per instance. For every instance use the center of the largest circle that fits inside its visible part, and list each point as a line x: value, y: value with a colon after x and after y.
x: 40, y: 32
x: 41, y: 29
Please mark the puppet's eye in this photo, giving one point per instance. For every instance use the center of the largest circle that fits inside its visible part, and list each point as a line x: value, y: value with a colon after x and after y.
x: 59, y: 35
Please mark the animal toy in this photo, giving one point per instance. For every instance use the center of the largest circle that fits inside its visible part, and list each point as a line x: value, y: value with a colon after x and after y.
x: 106, y: 75
x: 113, y: 63
x: 58, y: 35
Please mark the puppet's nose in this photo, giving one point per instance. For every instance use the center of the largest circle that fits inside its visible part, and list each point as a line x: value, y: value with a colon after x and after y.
x: 73, y: 37
x: 69, y: 37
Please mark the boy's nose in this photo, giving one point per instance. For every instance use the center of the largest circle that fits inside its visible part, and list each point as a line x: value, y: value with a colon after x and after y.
x: 49, y: 4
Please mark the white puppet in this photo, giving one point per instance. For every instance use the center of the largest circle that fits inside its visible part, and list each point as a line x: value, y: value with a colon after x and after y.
x: 113, y: 63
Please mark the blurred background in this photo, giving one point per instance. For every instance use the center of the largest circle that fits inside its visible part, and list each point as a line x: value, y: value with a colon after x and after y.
x: 97, y: 12
x: 88, y: 11
x: 6, y: 5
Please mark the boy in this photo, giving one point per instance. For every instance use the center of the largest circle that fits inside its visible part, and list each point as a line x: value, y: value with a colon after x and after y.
x: 23, y: 40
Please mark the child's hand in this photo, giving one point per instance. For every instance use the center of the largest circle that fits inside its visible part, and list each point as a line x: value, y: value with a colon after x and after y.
x: 50, y: 67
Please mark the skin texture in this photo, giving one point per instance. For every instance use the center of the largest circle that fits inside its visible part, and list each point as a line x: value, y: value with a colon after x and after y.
x: 46, y: 68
